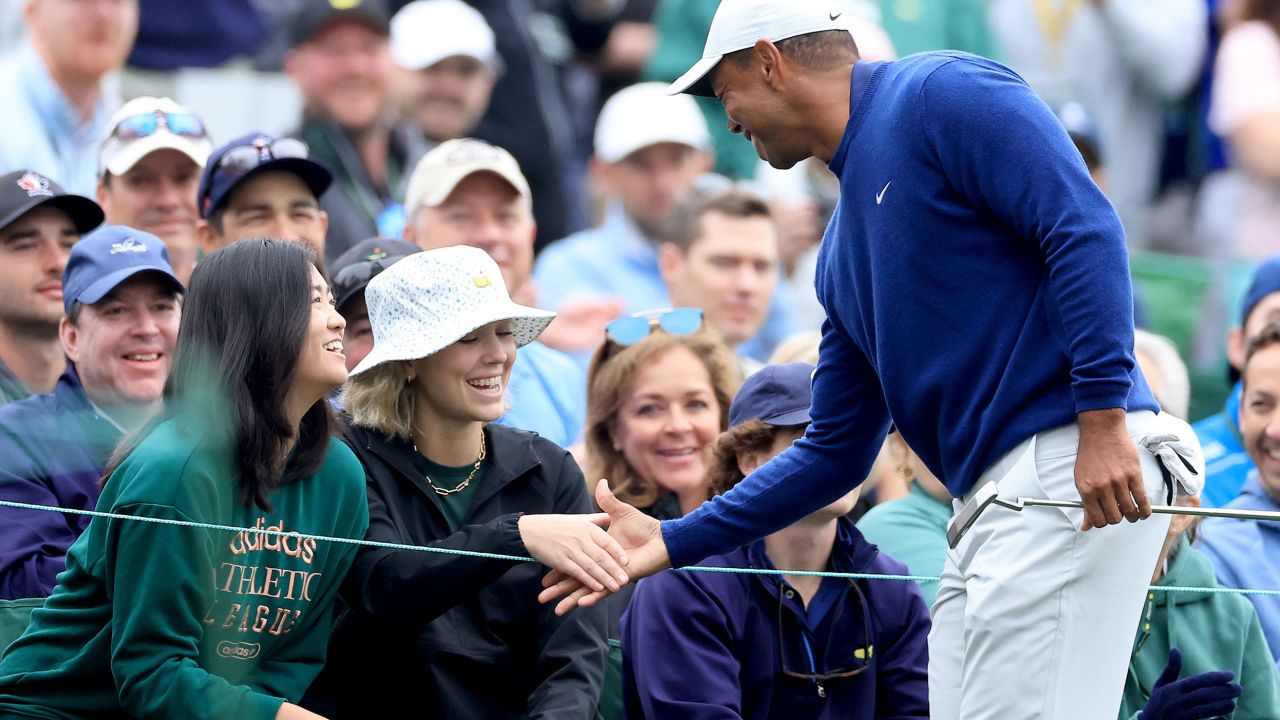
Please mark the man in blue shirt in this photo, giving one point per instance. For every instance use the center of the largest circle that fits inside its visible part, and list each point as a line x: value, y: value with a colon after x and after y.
x: 650, y: 152
x: 1246, y: 553
x: 121, y: 299
x: 57, y: 103
x: 1227, y: 463
x: 720, y: 253
x: 976, y: 284
x: 468, y: 192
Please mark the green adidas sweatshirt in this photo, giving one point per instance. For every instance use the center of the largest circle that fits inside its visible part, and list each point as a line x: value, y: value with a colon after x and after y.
x: 166, y: 621
x: 1213, y: 631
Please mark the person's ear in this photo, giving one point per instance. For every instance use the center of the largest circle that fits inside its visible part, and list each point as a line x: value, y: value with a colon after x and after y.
x: 749, y: 461
x: 70, y: 336
x: 770, y: 60
x: 1236, y: 348
x: 670, y: 262
x: 600, y: 175
x: 207, y: 236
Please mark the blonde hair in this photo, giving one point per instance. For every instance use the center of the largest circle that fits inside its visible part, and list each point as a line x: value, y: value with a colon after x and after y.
x: 800, y: 347
x: 382, y: 399
x: 609, y: 379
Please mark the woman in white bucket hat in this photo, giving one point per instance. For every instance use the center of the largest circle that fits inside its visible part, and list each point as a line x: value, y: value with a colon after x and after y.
x: 461, y: 636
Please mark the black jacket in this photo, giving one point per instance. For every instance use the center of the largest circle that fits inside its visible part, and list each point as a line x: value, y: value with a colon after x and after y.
x: 452, y: 636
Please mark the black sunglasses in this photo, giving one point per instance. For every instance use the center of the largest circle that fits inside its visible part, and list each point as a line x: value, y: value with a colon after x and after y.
x: 363, y: 270
x: 855, y: 663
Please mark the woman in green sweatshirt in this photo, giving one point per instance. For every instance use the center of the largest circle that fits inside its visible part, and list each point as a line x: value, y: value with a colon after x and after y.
x: 165, y: 620
x: 1214, y: 631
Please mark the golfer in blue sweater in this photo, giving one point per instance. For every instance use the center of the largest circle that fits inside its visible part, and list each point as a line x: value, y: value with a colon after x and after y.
x: 978, y: 297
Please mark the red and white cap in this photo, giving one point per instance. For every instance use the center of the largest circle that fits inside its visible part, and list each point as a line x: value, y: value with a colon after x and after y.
x: 738, y: 24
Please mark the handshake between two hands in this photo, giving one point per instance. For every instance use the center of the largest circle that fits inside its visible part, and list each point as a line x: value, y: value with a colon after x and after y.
x: 587, y: 563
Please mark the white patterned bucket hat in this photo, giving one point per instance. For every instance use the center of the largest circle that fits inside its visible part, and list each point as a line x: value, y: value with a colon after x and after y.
x: 430, y: 300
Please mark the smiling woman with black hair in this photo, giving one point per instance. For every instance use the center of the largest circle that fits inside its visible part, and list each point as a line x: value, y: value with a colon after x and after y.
x: 166, y: 619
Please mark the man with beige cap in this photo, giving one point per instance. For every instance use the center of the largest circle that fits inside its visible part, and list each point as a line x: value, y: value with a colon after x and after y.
x: 468, y: 192
x: 149, y: 172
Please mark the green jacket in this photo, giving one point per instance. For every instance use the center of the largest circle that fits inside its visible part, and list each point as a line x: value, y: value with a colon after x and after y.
x: 913, y: 531
x: 163, y: 620
x: 1215, y: 631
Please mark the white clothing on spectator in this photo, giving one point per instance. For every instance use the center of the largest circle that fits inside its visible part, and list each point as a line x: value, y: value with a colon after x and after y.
x: 1120, y: 59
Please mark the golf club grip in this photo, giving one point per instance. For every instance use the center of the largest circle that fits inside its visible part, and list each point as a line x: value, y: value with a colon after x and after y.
x: 1264, y: 515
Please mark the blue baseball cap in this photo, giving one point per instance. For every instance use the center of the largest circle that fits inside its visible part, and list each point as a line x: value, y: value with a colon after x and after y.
x: 246, y: 156
x: 778, y: 395
x: 107, y: 257
x: 1266, y: 280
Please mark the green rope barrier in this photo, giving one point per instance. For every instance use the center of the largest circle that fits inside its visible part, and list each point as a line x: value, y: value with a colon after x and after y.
x: 519, y: 558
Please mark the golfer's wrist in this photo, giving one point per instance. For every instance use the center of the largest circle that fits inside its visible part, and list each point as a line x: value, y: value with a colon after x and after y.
x: 1106, y: 420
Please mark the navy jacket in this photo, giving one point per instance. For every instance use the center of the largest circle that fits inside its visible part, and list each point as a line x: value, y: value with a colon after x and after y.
x: 699, y: 645
x: 53, y: 449
x: 977, y: 290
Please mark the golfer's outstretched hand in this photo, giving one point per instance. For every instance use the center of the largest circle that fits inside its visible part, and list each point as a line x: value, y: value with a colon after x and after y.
x: 1108, y: 471
x: 638, y: 534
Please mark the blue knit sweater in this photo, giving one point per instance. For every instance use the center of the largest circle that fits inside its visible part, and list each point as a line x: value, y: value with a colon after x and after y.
x: 977, y: 289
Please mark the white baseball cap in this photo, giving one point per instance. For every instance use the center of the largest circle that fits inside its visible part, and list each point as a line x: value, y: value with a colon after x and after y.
x: 424, y: 32
x: 645, y: 114
x: 451, y: 162
x: 430, y: 300
x: 738, y: 24
x: 146, y: 124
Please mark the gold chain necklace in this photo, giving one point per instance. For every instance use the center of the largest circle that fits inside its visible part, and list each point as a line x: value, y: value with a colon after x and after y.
x: 465, y: 482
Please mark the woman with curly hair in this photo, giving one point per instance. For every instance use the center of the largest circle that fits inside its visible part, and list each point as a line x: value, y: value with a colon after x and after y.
x: 658, y: 394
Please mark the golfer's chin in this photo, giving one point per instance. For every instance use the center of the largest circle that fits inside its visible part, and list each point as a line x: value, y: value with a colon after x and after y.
x: 776, y: 160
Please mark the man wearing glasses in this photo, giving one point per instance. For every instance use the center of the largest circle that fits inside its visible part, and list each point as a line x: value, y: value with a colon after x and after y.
x: 260, y: 186
x: 149, y: 171
x: 715, y: 645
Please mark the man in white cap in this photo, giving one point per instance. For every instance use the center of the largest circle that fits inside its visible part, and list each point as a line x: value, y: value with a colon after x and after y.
x: 448, y: 63
x: 468, y: 192
x: 149, y: 172
x: 975, y: 280
x: 650, y: 151
x: 650, y: 148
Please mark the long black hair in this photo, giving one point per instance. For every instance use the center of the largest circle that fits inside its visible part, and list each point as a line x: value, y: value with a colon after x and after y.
x: 244, y: 322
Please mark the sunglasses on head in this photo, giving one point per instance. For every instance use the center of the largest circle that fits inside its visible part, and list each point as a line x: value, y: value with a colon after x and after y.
x: 242, y: 159
x: 136, y: 127
x: 632, y: 329
x: 857, y: 660
x: 362, y: 271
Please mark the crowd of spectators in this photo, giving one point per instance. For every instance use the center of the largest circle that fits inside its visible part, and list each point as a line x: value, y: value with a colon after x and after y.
x: 541, y: 270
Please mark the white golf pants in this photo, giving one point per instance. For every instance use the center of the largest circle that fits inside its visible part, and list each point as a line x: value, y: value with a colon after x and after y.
x: 1033, y: 618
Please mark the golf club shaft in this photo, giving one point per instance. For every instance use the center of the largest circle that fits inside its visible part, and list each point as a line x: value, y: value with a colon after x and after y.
x: 1170, y: 510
